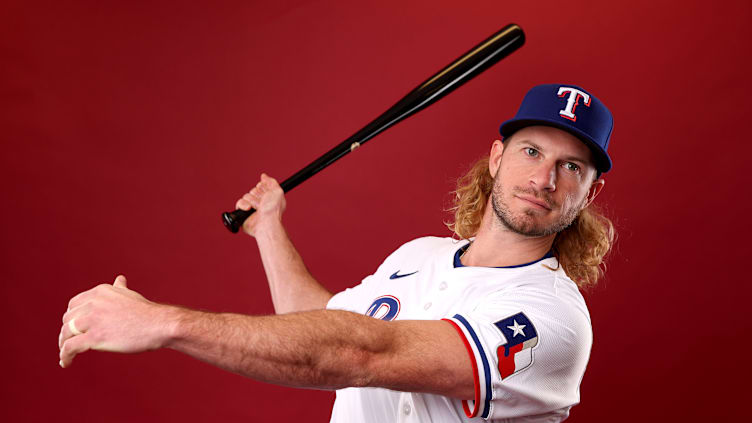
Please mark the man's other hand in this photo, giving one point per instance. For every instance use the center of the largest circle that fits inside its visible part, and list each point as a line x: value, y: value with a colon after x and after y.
x: 112, y: 318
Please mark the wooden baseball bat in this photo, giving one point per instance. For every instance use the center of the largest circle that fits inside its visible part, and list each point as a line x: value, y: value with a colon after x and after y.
x: 475, y: 61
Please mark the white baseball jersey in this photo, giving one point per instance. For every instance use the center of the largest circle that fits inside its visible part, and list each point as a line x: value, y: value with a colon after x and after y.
x: 526, y: 328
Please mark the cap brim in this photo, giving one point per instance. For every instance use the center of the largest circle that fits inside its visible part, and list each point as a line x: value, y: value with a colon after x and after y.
x: 602, y: 161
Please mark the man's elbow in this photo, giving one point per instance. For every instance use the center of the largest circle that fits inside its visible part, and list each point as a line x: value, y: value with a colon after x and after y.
x: 348, y: 368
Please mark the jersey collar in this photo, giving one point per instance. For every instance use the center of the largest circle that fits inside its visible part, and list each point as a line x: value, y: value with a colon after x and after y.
x: 461, y: 250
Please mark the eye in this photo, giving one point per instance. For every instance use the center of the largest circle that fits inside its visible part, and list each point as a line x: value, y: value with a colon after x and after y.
x: 530, y: 151
x: 571, y: 167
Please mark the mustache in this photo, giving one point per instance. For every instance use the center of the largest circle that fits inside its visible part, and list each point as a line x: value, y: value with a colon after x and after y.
x: 550, y: 203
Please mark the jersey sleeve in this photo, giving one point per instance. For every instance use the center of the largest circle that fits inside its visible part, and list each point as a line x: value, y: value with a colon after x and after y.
x: 529, y: 351
x: 415, y: 251
x: 343, y: 300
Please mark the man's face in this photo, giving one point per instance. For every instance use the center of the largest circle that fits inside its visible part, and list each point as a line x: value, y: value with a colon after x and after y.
x: 543, y: 178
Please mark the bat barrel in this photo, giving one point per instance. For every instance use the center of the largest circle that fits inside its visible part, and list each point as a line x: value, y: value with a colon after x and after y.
x: 475, y: 61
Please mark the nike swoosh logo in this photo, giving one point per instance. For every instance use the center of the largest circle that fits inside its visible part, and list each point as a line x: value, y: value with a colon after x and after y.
x: 396, y: 276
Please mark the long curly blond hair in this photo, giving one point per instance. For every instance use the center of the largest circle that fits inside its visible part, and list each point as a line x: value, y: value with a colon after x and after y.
x: 580, y: 248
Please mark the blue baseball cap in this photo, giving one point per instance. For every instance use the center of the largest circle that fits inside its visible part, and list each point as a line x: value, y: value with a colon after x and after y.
x: 572, y: 109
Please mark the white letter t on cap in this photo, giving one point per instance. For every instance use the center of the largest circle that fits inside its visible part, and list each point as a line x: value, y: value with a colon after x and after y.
x: 574, y: 98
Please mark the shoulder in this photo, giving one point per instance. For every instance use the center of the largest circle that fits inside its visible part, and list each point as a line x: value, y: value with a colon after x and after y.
x: 424, y: 248
x: 548, y: 294
x: 427, y: 244
x: 542, y: 290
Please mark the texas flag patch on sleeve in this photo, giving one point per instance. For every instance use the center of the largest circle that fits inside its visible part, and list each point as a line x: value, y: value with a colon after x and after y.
x: 517, y: 353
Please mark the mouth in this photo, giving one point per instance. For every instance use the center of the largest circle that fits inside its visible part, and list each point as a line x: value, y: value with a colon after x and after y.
x: 535, y: 202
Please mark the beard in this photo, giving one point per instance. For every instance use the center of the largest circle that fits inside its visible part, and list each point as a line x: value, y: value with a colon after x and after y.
x: 526, y: 223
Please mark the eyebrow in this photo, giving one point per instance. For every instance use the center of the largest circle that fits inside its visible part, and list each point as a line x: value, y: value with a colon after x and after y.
x: 568, y: 158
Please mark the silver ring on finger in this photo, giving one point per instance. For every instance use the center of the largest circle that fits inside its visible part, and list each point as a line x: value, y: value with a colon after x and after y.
x: 72, y: 326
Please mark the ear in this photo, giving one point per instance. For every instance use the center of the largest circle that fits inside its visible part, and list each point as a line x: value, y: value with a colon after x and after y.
x: 494, y: 159
x: 595, y: 188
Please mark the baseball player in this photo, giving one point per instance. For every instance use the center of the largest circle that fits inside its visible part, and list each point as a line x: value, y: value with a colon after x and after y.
x: 489, y: 325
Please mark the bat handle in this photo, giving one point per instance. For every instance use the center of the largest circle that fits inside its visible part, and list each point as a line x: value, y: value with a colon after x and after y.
x: 234, y: 220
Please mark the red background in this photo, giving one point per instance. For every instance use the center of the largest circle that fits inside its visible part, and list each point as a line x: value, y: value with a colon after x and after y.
x: 127, y: 128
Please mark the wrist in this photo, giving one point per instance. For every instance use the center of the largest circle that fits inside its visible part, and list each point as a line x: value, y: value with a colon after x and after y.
x: 174, y: 321
x: 268, y: 227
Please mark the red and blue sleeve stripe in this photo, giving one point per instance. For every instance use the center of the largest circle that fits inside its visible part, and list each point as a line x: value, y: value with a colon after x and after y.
x: 482, y: 403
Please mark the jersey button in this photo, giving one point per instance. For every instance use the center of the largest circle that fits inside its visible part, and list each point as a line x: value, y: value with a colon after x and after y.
x: 406, y: 409
x: 443, y: 286
x: 427, y: 306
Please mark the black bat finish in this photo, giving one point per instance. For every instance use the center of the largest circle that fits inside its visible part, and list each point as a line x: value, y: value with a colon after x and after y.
x: 470, y: 64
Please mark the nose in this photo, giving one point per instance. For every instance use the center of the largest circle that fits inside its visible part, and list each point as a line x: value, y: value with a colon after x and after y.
x: 543, y: 176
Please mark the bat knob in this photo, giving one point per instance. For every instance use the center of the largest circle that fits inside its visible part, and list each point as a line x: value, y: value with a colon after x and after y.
x: 234, y: 220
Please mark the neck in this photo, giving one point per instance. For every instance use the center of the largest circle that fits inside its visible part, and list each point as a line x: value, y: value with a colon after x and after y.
x: 496, y: 245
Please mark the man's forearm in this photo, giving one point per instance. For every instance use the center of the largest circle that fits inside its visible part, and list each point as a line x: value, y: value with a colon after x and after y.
x: 323, y: 349
x: 292, y: 286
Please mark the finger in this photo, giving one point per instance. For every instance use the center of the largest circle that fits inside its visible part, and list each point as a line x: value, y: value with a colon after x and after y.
x: 243, y: 204
x: 72, y: 326
x: 71, y: 313
x: 253, y: 198
x: 76, y: 312
x: 120, y: 282
x: 66, y: 331
x: 268, y: 180
x: 79, y: 299
x: 84, y: 296
x: 72, y: 347
x: 64, y: 334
